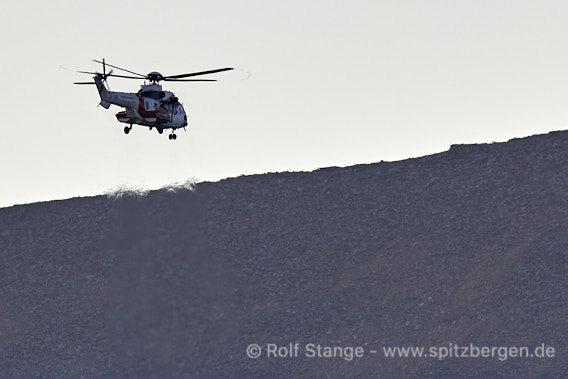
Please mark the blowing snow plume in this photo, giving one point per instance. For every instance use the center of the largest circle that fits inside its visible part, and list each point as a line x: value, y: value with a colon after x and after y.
x: 319, y: 274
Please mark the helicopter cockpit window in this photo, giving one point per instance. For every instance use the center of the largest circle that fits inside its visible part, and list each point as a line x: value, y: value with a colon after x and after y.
x: 156, y: 95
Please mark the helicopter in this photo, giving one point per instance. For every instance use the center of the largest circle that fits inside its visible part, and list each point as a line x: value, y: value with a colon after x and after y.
x: 151, y: 106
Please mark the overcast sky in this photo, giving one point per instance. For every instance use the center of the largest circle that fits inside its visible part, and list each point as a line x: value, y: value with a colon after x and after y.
x: 318, y: 83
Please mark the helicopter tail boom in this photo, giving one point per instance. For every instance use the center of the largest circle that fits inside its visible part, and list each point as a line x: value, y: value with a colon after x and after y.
x: 103, y: 92
x: 127, y: 100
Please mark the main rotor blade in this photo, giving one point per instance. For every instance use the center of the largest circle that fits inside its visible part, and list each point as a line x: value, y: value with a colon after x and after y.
x: 84, y: 83
x: 124, y: 76
x: 189, y: 80
x: 109, y: 74
x: 118, y: 68
x: 197, y: 73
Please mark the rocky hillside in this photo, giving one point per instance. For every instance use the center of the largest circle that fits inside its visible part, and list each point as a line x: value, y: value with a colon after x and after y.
x: 464, y: 248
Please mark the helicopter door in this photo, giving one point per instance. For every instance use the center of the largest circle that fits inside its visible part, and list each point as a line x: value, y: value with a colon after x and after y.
x: 150, y: 105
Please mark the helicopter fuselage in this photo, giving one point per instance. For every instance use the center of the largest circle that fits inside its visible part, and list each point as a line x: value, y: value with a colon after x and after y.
x: 151, y: 106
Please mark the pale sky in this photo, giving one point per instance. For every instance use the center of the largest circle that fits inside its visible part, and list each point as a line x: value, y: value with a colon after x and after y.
x: 332, y: 83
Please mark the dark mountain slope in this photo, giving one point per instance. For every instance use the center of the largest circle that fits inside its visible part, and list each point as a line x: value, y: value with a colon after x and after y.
x: 464, y: 247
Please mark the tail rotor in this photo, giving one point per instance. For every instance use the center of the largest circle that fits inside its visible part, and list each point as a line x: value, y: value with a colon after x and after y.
x: 103, y: 76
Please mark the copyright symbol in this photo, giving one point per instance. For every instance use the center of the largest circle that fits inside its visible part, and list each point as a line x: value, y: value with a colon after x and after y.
x: 254, y: 351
